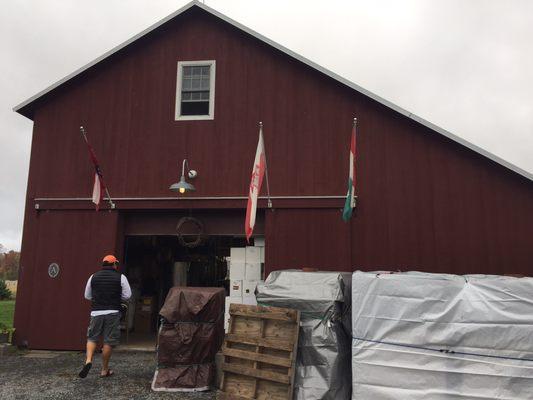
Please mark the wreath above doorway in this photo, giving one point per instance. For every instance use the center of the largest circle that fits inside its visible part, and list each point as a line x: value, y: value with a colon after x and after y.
x: 197, y: 239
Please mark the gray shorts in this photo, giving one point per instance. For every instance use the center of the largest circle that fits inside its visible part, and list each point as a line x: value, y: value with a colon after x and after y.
x: 107, y: 326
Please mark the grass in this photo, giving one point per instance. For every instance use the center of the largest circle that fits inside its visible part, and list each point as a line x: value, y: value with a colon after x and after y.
x: 7, y: 309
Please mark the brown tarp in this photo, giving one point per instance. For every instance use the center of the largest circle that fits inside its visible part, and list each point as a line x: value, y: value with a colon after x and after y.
x: 189, y: 338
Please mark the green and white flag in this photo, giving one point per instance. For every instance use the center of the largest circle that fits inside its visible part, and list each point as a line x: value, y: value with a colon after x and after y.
x: 350, y: 196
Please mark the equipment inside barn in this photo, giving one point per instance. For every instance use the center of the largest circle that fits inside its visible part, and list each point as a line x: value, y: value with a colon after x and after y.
x: 156, y: 263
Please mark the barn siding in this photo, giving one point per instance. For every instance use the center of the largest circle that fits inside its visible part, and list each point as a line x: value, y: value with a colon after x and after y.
x: 53, y: 313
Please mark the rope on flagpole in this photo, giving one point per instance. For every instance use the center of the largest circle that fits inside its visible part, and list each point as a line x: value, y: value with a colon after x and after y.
x: 269, y: 201
x: 111, y: 204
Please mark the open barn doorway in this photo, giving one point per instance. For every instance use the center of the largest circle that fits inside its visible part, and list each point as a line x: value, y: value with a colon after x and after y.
x: 155, y: 263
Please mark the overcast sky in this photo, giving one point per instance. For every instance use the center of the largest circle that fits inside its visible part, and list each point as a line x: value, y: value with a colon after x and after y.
x: 465, y: 65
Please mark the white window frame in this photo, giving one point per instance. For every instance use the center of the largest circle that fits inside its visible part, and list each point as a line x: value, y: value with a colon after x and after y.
x: 203, y: 63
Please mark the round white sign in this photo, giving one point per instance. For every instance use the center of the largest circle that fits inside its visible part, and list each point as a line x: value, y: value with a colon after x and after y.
x: 53, y: 270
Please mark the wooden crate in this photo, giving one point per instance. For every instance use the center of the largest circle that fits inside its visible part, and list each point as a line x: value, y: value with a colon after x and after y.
x: 259, y: 353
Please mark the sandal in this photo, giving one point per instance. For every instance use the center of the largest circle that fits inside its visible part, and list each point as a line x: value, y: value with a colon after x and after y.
x: 85, y: 370
x: 108, y: 374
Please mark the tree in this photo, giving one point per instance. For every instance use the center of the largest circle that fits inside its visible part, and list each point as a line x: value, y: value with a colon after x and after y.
x: 5, y: 293
x: 9, y: 265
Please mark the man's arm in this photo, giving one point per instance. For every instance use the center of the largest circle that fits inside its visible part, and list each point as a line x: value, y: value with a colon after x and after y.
x: 88, y: 290
x: 126, y: 289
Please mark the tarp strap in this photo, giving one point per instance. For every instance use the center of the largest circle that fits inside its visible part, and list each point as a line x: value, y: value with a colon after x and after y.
x: 445, y: 351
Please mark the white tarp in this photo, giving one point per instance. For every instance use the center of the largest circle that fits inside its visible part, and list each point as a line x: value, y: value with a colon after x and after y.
x: 323, y: 299
x: 436, y: 336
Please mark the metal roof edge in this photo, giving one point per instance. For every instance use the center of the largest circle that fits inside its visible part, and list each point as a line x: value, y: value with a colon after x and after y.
x: 298, y: 57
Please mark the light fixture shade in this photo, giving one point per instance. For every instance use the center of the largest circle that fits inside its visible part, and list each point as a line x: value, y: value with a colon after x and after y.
x: 182, y: 186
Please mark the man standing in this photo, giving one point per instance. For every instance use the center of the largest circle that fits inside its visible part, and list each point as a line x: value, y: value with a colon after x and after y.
x: 106, y: 289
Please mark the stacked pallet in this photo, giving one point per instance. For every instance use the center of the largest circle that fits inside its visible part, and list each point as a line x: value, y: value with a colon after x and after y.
x: 259, y: 353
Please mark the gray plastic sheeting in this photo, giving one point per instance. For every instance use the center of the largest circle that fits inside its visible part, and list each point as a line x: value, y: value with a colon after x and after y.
x: 436, y: 336
x: 323, y: 299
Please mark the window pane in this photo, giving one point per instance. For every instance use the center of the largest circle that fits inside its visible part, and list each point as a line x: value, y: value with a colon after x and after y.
x: 195, y: 108
x: 187, y: 84
x: 205, y: 70
x: 196, y: 83
x: 196, y: 71
x: 205, y: 84
x: 187, y: 71
x: 205, y: 95
x: 186, y: 95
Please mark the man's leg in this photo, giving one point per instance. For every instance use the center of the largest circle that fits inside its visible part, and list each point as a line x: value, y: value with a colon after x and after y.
x: 106, y: 355
x: 111, y: 339
x: 93, y: 332
x: 91, y: 348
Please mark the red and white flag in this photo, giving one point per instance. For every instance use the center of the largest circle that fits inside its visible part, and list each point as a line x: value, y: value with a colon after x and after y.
x: 99, y: 186
x: 98, y: 191
x: 258, y: 172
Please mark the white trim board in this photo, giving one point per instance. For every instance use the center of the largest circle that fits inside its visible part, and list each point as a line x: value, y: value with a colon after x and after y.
x: 196, y: 3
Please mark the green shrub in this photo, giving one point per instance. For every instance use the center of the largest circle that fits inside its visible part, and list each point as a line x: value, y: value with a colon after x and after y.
x: 5, y: 293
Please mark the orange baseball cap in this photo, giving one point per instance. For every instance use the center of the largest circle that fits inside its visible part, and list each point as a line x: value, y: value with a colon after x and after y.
x: 111, y: 259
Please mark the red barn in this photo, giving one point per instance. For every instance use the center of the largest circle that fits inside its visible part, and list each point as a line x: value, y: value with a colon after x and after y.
x: 194, y: 86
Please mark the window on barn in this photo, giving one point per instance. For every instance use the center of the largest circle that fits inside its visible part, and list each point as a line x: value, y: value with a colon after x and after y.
x: 195, y: 94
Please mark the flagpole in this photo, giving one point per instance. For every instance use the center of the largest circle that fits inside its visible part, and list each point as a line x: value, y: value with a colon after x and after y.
x: 111, y: 204
x: 354, y: 161
x: 351, y: 226
x: 269, y: 201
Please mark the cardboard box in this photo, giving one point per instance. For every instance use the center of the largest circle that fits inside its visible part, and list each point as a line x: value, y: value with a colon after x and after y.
x: 262, y: 251
x: 235, y: 288
x: 253, y: 272
x: 143, y: 323
x: 259, y: 242
x: 236, y: 271
x: 253, y: 254
x: 238, y: 254
x: 144, y: 315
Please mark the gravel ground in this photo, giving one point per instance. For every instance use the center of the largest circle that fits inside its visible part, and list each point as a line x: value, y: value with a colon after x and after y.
x: 57, y: 378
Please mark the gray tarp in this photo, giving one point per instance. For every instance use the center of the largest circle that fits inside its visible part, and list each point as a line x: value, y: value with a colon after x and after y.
x: 323, y: 299
x: 435, y: 336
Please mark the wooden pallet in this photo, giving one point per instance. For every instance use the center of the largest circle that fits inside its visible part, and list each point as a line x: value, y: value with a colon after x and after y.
x: 259, y: 353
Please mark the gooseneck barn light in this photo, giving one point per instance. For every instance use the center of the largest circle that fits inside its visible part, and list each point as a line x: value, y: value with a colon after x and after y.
x: 183, y: 186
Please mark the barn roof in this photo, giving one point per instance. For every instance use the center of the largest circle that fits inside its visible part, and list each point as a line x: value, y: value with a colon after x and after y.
x: 26, y: 107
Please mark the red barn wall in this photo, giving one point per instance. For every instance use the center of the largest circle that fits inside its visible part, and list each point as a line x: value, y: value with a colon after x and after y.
x: 425, y: 202
x: 52, y: 313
